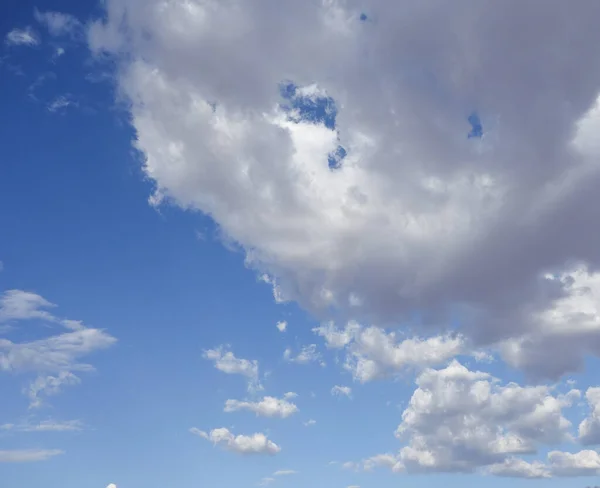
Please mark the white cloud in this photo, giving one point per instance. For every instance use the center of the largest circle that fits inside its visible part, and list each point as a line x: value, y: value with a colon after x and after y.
x: 226, y: 362
x: 281, y: 325
x: 418, y: 216
x: 284, y: 472
x: 307, y: 354
x: 289, y: 395
x: 517, y: 468
x: 267, y: 407
x: 372, y: 353
x: 582, y: 463
x: 338, y: 390
x: 58, y: 23
x: 52, y: 359
x: 60, y: 103
x: 45, y: 426
x: 589, y: 429
x: 28, y: 455
x: 111, y: 485
x: 310, y: 422
x: 254, y: 444
x: 22, y: 37
x: 462, y: 420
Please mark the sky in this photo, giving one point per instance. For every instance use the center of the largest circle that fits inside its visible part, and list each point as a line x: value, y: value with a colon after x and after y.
x: 330, y: 243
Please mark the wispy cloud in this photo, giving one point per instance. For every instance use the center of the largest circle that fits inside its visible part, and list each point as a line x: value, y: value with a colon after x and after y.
x: 22, y: 37
x: 28, y: 455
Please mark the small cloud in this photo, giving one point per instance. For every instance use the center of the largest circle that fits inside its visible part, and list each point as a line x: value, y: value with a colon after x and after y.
x: 284, y: 472
x: 58, y: 24
x: 28, y: 455
x: 111, y: 485
x: 310, y: 422
x: 281, y: 325
x: 341, y: 391
x: 59, y: 103
x: 289, y: 395
x: 22, y: 37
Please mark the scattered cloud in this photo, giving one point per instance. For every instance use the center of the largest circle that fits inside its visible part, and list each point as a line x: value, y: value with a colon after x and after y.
x: 58, y: 23
x: 225, y: 361
x: 308, y: 354
x: 281, y: 325
x: 28, y: 455
x: 373, y: 354
x: 341, y: 391
x: 44, y: 426
x: 582, y: 463
x: 254, y: 444
x: 267, y: 407
x: 289, y: 395
x: 53, y: 359
x: 310, y: 422
x: 22, y: 37
x: 60, y: 103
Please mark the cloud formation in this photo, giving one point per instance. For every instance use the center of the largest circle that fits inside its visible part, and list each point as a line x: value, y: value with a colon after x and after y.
x: 28, y: 455
x: 423, y: 162
x: 257, y: 443
x: 22, y: 37
x: 267, y: 407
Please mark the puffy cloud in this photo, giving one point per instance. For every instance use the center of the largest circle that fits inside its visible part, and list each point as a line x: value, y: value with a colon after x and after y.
x: 22, y: 37
x: 28, y: 455
x: 255, y: 444
x: 582, y: 463
x: 226, y: 362
x: 338, y: 390
x: 518, y: 468
x: 281, y: 325
x: 52, y: 359
x: 307, y: 354
x: 589, y: 429
x: 372, y: 353
x: 267, y: 407
x: 111, y: 485
x: 462, y: 420
x: 463, y: 174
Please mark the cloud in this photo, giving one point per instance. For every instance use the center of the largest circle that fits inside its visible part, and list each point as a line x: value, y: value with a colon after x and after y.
x: 582, y: 463
x: 267, y: 407
x: 460, y: 420
x: 60, y: 103
x: 45, y: 426
x: 53, y: 359
x: 58, y: 23
x: 372, y: 353
x: 285, y: 472
x: 310, y: 422
x: 416, y: 216
x: 255, y: 444
x: 22, y: 37
x: 226, y: 362
x: 111, y: 485
x: 589, y: 429
x: 281, y: 325
x: 341, y: 391
x: 28, y: 455
x: 308, y: 354
x: 289, y: 395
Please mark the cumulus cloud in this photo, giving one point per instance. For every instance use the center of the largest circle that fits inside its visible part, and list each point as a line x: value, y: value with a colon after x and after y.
x: 281, y: 325
x: 267, y: 407
x: 589, y: 429
x: 53, y: 359
x: 372, y: 353
x: 338, y: 390
x: 460, y: 420
x: 225, y: 361
x: 28, y: 455
x: 420, y: 162
x: 257, y: 443
x: 22, y: 37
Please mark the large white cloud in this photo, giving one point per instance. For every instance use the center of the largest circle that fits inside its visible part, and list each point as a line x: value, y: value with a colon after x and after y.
x: 589, y: 429
x: 257, y: 443
x: 418, y: 216
x: 463, y: 420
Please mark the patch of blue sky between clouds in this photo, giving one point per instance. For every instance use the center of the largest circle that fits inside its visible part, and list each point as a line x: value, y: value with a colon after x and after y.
x: 476, y: 126
x: 308, y: 104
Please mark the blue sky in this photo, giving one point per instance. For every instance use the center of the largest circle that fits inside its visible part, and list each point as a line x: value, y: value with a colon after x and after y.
x: 123, y: 208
